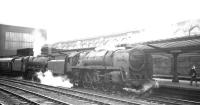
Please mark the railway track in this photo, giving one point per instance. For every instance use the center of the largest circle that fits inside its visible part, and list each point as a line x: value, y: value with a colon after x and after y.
x: 166, y: 98
x: 170, y: 101
x: 29, y: 97
x: 92, y: 97
x: 9, y: 99
x: 158, y: 98
x: 173, y: 101
x: 73, y: 94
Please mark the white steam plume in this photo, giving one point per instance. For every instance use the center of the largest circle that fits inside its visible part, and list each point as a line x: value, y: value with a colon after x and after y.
x: 47, y: 78
x: 39, y: 41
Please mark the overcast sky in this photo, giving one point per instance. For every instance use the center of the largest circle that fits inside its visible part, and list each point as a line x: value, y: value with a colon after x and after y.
x: 77, y: 19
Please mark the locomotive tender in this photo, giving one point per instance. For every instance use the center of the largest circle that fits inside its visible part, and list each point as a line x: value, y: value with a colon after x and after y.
x: 120, y: 69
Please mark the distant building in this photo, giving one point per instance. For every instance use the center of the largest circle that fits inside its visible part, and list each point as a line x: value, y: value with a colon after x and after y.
x: 17, y: 37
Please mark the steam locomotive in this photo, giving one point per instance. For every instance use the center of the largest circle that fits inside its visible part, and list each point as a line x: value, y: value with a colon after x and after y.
x: 128, y: 69
x: 23, y: 64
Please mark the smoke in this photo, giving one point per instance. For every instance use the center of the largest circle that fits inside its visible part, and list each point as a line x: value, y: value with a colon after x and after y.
x: 39, y: 41
x: 47, y: 78
x: 146, y: 87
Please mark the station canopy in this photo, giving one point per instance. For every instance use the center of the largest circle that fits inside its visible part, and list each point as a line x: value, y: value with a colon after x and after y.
x: 186, y: 44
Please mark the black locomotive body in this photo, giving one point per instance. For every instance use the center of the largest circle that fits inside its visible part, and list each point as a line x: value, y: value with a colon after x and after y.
x: 127, y: 69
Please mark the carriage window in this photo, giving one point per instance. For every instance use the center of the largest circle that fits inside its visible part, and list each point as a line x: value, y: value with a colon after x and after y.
x: 4, y: 65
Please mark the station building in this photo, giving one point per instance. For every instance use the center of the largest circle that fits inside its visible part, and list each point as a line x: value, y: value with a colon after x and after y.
x: 13, y: 38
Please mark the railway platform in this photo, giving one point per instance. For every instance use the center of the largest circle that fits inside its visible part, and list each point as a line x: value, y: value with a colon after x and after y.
x: 182, y: 84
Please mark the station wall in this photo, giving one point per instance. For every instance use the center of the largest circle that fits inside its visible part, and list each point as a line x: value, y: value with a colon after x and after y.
x: 16, y: 37
x: 162, y: 64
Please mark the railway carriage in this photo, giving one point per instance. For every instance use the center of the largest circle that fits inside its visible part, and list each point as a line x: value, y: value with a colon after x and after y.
x: 5, y: 64
x: 11, y: 65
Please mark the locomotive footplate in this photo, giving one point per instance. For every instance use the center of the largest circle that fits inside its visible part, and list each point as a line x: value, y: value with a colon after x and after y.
x: 146, y: 86
x: 96, y: 68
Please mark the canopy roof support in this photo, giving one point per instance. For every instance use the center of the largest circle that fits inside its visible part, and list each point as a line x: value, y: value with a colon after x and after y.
x: 174, y: 67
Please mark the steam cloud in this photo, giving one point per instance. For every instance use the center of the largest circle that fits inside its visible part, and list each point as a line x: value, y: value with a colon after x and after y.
x: 39, y: 41
x: 47, y: 78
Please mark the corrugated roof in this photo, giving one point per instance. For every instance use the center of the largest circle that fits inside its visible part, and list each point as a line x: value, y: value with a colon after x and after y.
x: 184, y: 44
